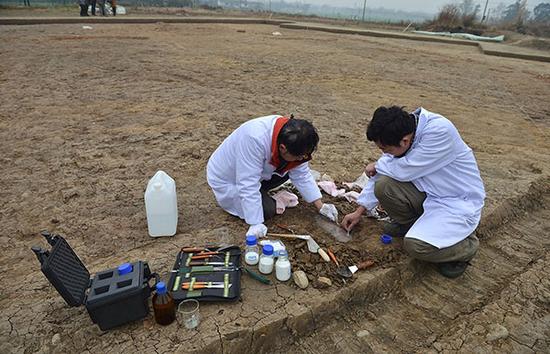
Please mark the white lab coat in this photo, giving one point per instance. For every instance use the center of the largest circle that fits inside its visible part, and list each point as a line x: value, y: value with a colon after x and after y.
x: 241, y: 162
x: 442, y: 165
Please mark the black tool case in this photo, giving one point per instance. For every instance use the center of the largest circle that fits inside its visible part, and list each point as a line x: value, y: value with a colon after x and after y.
x: 111, y: 299
x: 183, y: 272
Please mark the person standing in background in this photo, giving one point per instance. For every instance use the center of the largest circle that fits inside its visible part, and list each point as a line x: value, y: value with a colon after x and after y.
x: 93, y: 3
x: 83, y: 7
x: 101, y: 4
x: 113, y: 6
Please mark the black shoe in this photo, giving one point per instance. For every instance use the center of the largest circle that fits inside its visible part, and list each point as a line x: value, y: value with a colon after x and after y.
x: 452, y: 269
x: 395, y: 229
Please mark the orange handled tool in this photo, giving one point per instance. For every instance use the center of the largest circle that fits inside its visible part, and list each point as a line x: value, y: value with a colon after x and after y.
x: 347, y: 272
x: 205, y: 286
x: 333, y: 257
x: 192, y: 249
x: 208, y: 253
x: 203, y: 256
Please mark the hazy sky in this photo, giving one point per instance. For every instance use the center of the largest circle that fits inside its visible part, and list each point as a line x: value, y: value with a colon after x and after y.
x: 430, y: 6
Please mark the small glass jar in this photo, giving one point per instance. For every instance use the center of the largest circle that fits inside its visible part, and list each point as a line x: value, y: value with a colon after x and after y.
x: 282, y: 267
x: 266, y: 260
x: 252, y: 252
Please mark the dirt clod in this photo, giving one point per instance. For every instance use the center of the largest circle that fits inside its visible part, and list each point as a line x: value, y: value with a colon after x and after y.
x: 56, y: 339
x: 322, y: 283
x: 496, y: 332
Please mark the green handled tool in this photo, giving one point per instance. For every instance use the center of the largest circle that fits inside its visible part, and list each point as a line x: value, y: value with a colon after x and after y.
x: 257, y: 276
x: 210, y: 268
x: 176, y: 283
x: 226, y: 285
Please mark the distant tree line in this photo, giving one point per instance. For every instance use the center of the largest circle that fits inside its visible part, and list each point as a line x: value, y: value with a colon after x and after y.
x: 518, y: 12
x: 465, y: 16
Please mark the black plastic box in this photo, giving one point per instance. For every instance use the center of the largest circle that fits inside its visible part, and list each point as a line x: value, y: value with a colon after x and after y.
x: 111, y: 299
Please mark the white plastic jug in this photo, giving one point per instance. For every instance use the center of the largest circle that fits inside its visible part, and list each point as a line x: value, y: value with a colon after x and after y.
x: 161, y: 205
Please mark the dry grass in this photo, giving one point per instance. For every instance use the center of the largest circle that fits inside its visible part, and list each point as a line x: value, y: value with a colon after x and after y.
x: 538, y: 29
x: 449, y: 16
x: 451, y: 19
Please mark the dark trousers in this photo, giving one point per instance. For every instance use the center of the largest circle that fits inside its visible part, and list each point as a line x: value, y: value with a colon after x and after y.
x: 102, y: 8
x: 268, y: 204
x: 93, y: 3
x: 83, y: 10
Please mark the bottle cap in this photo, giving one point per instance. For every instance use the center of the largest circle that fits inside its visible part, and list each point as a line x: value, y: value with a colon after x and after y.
x: 283, y: 253
x: 161, y: 287
x: 250, y: 240
x: 124, y: 268
x: 385, y: 238
x: 157, y: 185
x: 267, y: 250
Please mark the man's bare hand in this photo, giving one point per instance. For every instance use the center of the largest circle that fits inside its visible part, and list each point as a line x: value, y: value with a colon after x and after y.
x: 351, y: 219
x: 370, y: 170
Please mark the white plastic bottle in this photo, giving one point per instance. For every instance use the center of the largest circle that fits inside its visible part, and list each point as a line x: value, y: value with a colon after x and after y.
x: 252, y: 252
x: 266, y: 260
x: 161, y: 205
x: 282, y: 267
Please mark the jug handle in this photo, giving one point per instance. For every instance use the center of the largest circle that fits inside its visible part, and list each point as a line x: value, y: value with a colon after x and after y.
x: 157, y: 279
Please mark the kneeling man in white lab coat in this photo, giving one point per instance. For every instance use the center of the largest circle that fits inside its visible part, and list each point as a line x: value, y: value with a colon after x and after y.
x: 258, y: 156
x: 428, y: 182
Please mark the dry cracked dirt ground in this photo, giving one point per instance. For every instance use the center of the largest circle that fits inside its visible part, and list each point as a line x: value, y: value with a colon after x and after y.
x: 88, y: 116
x: 500, y: 305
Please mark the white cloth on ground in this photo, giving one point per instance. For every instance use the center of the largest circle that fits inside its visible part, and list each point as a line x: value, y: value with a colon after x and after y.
x: 331, y: 189
x: 351, y: 196
x: 283, y: 200
x: 360, y: 182
x: 258, y: 230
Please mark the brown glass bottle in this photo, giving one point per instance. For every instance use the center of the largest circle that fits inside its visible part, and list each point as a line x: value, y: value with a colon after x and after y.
x: 164, y: 306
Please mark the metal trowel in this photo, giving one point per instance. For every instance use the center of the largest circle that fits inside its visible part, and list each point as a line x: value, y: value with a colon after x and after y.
x: 312, y: 246
x: 347, y: 272
x: 333, y: 229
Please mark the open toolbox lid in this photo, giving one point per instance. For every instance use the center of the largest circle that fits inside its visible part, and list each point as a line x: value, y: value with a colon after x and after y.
x: 63, y: 269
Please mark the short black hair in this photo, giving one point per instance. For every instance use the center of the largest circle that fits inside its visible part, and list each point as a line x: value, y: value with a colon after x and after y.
x: 389, y: 125
x: 299, y: 136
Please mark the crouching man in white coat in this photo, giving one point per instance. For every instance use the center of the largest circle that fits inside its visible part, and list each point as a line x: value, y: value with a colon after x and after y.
x: 258, y: 156
x: 428, y: 182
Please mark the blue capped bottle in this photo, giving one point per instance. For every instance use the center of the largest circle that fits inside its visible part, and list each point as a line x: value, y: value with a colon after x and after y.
x: 252, y: 252
x: 163, y: 305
